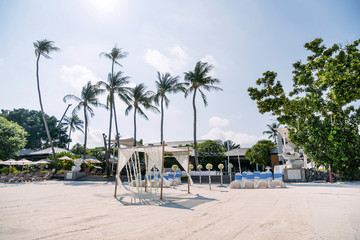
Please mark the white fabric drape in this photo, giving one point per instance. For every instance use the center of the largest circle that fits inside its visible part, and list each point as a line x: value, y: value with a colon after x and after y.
x: 183, y: 158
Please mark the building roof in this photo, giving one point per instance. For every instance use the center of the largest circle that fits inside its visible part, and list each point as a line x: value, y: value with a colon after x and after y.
x: 237, y: 152
x: 48, y: 151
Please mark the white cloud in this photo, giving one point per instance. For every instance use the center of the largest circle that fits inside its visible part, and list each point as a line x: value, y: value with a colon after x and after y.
x: 215, y: 122
x: 94, y: 138
x: 77, y: 76
x: 1, y: 61
x: 243, y: 139
x: 174, y: 60
x: 209, y: 59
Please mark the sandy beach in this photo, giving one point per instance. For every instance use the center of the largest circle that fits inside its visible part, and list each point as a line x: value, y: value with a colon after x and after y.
x: 88, y: 210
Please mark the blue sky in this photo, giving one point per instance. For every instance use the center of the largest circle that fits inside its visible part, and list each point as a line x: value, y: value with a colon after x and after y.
x: 242, y: 39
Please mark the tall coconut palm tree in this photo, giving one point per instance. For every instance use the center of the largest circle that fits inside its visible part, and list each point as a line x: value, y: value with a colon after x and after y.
x: 138, y: 97
x: 115, y: 85
x: 165, y: 84
x: 115, y: 55
x: 73, y: 123
x: 44, y: 48
x: 272, y: 131
x: 88, y: 98
x: 199, y: 80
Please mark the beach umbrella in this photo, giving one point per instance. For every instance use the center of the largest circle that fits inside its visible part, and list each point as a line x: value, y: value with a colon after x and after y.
x: 92, y: 161
x: 66, y: 158
x: 2, y: 162
x: 24, y: 162
x: 42, y: 162
x: 11, y: 162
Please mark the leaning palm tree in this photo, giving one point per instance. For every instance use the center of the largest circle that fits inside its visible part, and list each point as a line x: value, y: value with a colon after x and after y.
x: 115, y: 85
x: 272, y: 131
x: 73, y: 123
x: 165, y: 84
x: 43, y: 48
x: 198, y: 80
x: 88, y: 98
x: 139, y: 96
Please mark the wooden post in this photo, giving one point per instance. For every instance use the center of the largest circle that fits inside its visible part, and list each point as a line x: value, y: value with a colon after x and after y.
x: 188, y: 170
x: 162, y: 170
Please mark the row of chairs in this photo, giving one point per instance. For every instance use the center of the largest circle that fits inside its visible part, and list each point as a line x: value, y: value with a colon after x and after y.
x: 257, y: 180
x: 25, y: 177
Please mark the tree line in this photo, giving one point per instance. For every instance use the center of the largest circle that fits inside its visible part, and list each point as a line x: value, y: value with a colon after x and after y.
x: 137, y: 99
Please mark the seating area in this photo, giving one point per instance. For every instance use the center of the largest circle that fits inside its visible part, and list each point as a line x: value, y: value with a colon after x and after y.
x: 24, y: 177
x: 256, y: 180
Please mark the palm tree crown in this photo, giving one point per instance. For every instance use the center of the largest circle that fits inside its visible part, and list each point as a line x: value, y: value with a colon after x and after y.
x: 165, y: 84
x: 115, y: 85
x: 229, y: 145
x: 139, y: 96
x: 272, y: 131
x: 115, y: 55
x: 73, y: 123
x: 88, y: 98
x: 198, y: 80
x: 44, y: 47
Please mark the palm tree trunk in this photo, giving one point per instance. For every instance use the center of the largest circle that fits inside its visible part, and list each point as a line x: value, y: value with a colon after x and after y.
x: 195, y: 141
x: 116, y: 126
x: 43, y: 115
x: 134, y: 144
x: 109, y: 138
x: 162, y: 120
x: 86, y: 127
x: 69, y: 138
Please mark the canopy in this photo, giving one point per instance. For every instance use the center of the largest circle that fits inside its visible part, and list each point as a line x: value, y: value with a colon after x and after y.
x: 42, y: 162
x: 154, y: 156
x: 128, y: 142
x: 49, y: 151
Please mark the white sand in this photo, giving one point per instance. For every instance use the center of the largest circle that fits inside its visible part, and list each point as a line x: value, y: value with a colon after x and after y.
x: 87, y: 210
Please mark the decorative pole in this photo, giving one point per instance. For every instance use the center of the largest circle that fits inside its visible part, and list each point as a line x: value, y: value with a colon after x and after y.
x: 230, y: 167
x: 162, y: 170
x: 199, y: 168
x: 221, y: 167
x: 174, y: 168
x: 209, y: 166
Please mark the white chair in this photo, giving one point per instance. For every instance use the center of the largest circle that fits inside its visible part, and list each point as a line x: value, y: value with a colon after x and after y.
x: 237, y: 182
x: 249, y: 183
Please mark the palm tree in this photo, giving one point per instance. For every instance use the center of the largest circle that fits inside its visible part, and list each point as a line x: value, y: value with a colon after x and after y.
x: 272, y: 131
x: 198, y: 80
x: 229, y: 145
x: 88, y: 98
x: 165, y: 84
x: 73, y: 123
x: 115, y: 84
x: 43, y: 48
x: 115, y: 55
x: 139, y: 96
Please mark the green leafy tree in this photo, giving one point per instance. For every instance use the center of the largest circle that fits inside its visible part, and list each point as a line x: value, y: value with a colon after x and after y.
x: 12, y: 138
x: 272, y: 132
x: 260, y: 153
x: 88, y: 98
x: 77, y: 149
x: 73, y: 123
x: 165, y: 84
x: 211, y: 152
x: 43, y: 48
x: 321, y: 111
x: 140, y: 97
x: 115, y: 85
x: 197, y: 81
x: 31, y: 121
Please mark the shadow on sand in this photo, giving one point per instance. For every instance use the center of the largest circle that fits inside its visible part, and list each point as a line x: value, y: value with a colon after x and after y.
x: 185, y: 202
